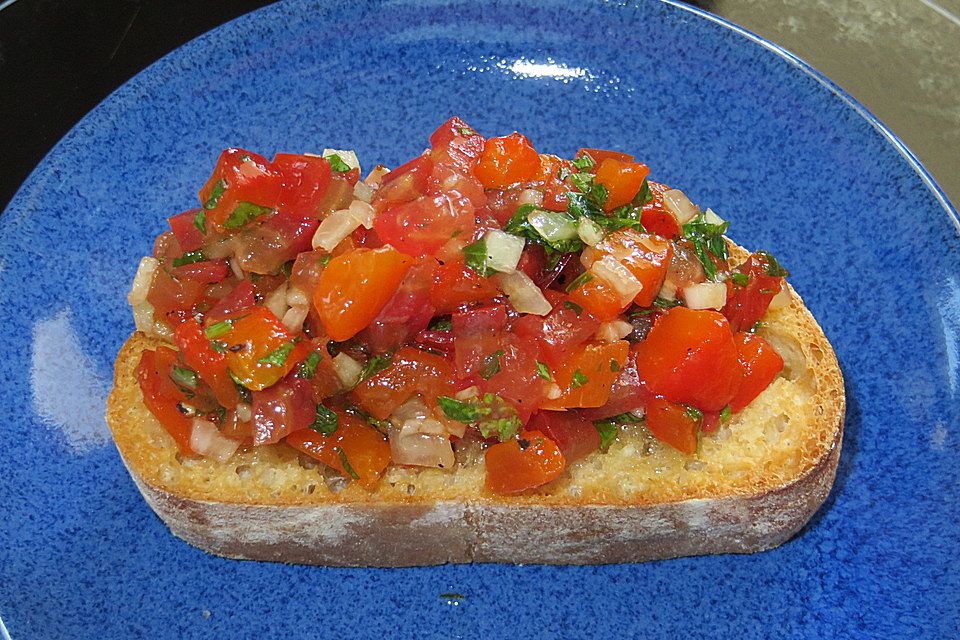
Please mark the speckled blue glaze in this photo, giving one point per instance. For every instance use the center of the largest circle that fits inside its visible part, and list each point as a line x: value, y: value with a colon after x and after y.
x: 742, y: 126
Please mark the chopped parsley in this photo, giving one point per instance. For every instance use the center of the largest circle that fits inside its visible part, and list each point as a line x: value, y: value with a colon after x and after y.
x: 218, y: 188
x: 519, y: 225
x: 544, y: 371
x: 694, y: 414
x: 200, y: 221
x: 774, y: 268
x: 573, y: 306
x: 708, y: 242
x: 375, y: 365
x: 337, y: 163
x: 491, y: 365
x: 326, y: 421
x: 475, y: 255
x: 725, y: 413
x: 219, y: 346
x: 308, y: 368
x: 217, y: 329
x: 466, y: 131
x: 608, y: 430
x: 579, y: 379
x: 380, y: 425
x: 579, y: 281
x: 614, y: 366
x: 244, y: 213
x: 740, y: 279
x: 278, y: 358
x: 663, y: 303
x: 345, y: 463
x: 441, y: 324
x: 491, y: 414
x: 584, y: 163
x: 189, y: 257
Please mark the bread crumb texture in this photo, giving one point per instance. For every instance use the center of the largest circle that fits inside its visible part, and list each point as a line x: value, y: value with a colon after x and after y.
x: 784, y: 434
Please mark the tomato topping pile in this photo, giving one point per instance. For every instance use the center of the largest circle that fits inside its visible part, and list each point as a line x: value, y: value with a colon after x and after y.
x: 483, y: 294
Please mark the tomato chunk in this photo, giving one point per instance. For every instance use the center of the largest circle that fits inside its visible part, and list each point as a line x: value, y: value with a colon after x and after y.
x: 185, y: 229
x: 655, y: 216
x: 239, y: 177
x: 527, y: 462
x: 597, y: 297
x: 355, y: 449
x: 303, y: 183
x: 258, y: 347
x: 455, y: 284
x: 210, y: 365
x: 574, y: 434
x: 673, y: 424
x: 646, y: 256
x: 761, y: 363
x: 355, y: 286
x: 586, y: 378
x: 622, y: 181
x: 747, y: 303
x: 282, y: 409
x: 690, y: 357
x: 411, y: 371
x: 153, y: 376
x: 506, y: 161
x: 421, y: 227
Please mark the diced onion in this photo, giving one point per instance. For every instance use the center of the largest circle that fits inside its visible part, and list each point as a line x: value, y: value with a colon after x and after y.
x: 503, y: 250
x: 348, y: 370
x: 619, y: 277
x: 143, y: 318
x: 553, y: 226
x: 363, y: 212
x: 422, y: 442
x: 530, y: 196
x: 276, y: 302
x: 334, y: 228
x: 590, y: 232
x: 375, y: 177
x: 553, y: 391
x: 466, y: 394
x: 236, y: 268
x: 349, y: 157
x: 711, y: 216
x: 614, y: 330
x: 782, y: 299
x: 668, y: 291
x: 524, y: 295
x: 141, y: 281
x: 363, y: 192
x: 207, y: 440
x: 244, y: 413
x: 679, y: 205
x: 296, y: 297
x: 706, y: 295
x: 294, y: 317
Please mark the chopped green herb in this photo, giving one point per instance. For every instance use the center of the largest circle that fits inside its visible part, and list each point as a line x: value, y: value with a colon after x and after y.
x: 220, y: 415
x: 341, y: 454
x: 189, y: 257
x: 380, y: 425
x: 218, y: 329
x: 200, y: 221
x: 756, y: 327
x: 491, y: 365
x: 740, y: 279
x: 243, y: 213
x: 584, y: 163
x: 219, y: 346
x: 694, y: 414
x: 326, y: 421
x: 614, y: 366
x: 573, y: 306
x: 441, y: 324
x: 375, y: 365
x: 608, y: 431
x: 490, y: 413
x: 663, y: 303
x: 579, y: 281
x: 466, y: 131
x: 774, y: 268
x: 324, y: 260
x: 337, y: 163
x: 645, y: 195
x: 464, y: 412
x: 708, y: 242
x: 184, y: 377
x: 245, y: 395
x: 544, y: 371
x: 218, y: 188
x: 625, y: 418
x: 308, y: 368
x: 725, y: 413
x: 475, y: 255
x: 579, y: 379
x: 287, y: 268
x: 519, y: 225
x: 279, y: 357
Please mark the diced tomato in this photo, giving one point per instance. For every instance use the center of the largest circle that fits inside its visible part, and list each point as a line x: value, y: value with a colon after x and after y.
x: 586, y: 378
x: 711, y: 421
x: 455, y: 284
x: 598, y: 298
x: 153, y: 377
x: 355, y: 286
x: 527, y: 462
x: 506, y: 161
x: 510, y: 372
x: 324, y: 382
x: 447, y: 178
x: 407, y: 313
x: 259, y: 348
x: 405, y: 183
x: 558, y: 333
x: 645, y: 256
x: 209, y: 364
x: 173, y: 299
x: 266, y: 247
x: 303, y: 183
x: 599, y: 155
x: 690, y: 357
x: 282, y: 409
x: 355, y: 449
x: 184, y: 228
x: 411, y: 371
x: 457, y: 143
x: 627, y: 394
x: 655, y: 217
x: 240, y: 176
x: 622, y: 181
x: 205, y: 271
x: 761, y: 363
x: 422, y: 226
x: 747, y: 303
x: 240, y: 297
x: 477, y: 334
x: 574, y: 434
x: 673, y: 424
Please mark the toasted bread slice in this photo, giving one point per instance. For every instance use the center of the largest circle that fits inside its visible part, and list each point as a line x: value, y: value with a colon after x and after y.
x: 753, y: 485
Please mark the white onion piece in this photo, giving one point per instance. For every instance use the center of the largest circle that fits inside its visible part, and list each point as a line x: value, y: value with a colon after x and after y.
x: 295, y: 316
x: 363, y: 192
x: 348, y: 370
x: 503, y: 250
x: 553, y: 391
x: 553, y: 226
x: 207, y: 440
x: 410, y: 410
x: 706, y: 295
x: 334, y: 228
x: 276, y: 302
x: 162, y: 330
x: 782, y: 299
x: 421, y: 442
x: 296, y: 297
x: 362, y: 212
x: 244, y: 412
x: 375, y: 177
x: 143, y: 318
x: 619, y: 277
x: 236, y: 268
x: 668, y: 291
x: 590, y: 232
x: 711, y: 217
x: 679, y: 205
x: 349, y: 157
x: 614, y: 330
x: 524, y: 295
x: 466, y: 394
x: 530, y: 196
x: 142, y: 280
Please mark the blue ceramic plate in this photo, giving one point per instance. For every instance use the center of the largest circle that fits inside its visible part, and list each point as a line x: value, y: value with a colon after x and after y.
x: 741, y: 125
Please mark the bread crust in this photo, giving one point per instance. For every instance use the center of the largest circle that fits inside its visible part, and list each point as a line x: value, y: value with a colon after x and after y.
x: 391, y: 529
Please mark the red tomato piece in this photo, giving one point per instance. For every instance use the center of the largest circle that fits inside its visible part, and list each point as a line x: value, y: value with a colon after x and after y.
x: 173, y: 300
x: 240, y: 297
x: 264, y: 248
x: 510, y: 371
x: 455, y: 284
x: 655, y: 217
x: 184, y: 228
x: 558, y: 333
x: 506, y: 161
x: 303, y: 183
x: 527, y: 462
x: 205, y: 271
x: 240, y: 176
x: 259, y: 348
x: 477, y: 334
x: 627, y: 394
x: 411, y: 371
x: 282, y: 409
x: 422, y: 226
x: 622, y: 181
x: 586, y: 379
x: 355, y: 286
x: 153, y: 377
x: 761, y: 363
x: 407, y: 313
x: 574, y: 434
x: 355, y: 449
x: 209, y: 364
x: 646, y: 256
x: 673, y: 424
x: 405, y: 183
x: 690, y: 357
x: 456, y: 143
x: 747, y: 303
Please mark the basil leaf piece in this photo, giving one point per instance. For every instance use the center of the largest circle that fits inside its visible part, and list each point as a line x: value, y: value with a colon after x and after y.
x: 491, y: 414
x: 491, y: 365
x: 544, y: 371
x: 189, y: 257
x: 326, y: 421
x: 708, y: 242
x: 337, y: 163
x: 375, y: 365
x: 608, y: 431
x: 579, y: 379
x: 218, y: 188
x: 308, y: 368
x: 200, y: 221
x: 278, y: 358
x: 342, y: 455
x: 243, y: 213
x: 475, y: 256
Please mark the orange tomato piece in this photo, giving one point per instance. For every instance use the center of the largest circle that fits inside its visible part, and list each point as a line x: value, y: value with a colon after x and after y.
x: 529, y: 461
x: 761, y: 363
x: 411, y: 371
x: 456, y: 284
x: 506, y: 161
x: 586, y: 378
x: 599, y: 298
x: 646, y: 256
x: 622, y: 181
x: 160, y: 395
x: 689, y: 357
x: 354, y: 287
x: 259, y: 349
x: 355, y: 449
x: 673, y: 424
x: 599, y: 155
